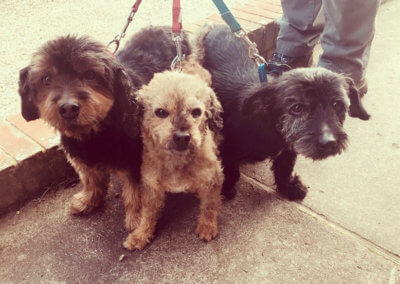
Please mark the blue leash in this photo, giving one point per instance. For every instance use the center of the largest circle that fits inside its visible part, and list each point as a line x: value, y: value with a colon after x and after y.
x: 235, y: 27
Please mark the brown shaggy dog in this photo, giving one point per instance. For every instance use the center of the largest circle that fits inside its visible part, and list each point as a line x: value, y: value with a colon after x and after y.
x: 181, y: 126
x: 78, y: 87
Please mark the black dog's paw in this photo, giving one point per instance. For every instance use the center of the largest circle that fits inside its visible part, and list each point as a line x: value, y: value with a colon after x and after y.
x: 294, y: 190
x: 228, y: 193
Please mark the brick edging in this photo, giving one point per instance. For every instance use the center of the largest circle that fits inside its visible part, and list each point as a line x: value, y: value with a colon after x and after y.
x: 30, y: 158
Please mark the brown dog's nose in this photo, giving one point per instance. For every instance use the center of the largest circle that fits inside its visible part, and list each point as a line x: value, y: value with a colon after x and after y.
x: 181, y: 140
x: 69, y: 110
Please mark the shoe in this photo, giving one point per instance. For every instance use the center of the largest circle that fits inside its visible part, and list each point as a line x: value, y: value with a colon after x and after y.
x: 280, y: 63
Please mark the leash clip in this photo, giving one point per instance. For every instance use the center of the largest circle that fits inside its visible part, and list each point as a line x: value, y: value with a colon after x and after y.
x: 177, y: 38
x: 255, y: 55
x: 120, y: 36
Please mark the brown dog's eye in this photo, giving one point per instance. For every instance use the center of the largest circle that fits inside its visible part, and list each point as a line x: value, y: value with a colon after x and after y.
x: 297, y: 109
x: 46, y: 80
x: 196, y: 112
x: 161, y: 113
x: 89, y: 75
x: 337, y: 106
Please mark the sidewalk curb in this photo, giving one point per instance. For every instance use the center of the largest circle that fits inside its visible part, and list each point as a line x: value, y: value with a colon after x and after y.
x: 31, y: 160
x: 33, y: 176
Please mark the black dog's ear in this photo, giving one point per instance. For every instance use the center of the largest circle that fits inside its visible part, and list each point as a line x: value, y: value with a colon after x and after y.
x: 259, y: 100
x: 214, y: 114
x: 29, y: 109
x: 127, y: 110
x: 356, y: 107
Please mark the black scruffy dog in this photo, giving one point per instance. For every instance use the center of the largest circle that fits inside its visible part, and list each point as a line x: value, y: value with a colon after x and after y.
x: 300, y: 112
x: 78, y: 87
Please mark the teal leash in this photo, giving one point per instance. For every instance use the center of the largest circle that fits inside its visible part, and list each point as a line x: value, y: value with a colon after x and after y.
x: 235, y: 27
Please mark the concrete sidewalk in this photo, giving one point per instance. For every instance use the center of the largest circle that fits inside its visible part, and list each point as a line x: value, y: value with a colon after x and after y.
x: 346, y: 230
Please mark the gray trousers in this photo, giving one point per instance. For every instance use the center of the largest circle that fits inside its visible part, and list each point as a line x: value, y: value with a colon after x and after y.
x: 346, y: 29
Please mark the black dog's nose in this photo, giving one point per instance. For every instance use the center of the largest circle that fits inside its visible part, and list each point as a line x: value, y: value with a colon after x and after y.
x: 69, y: 110
x: 181, y: 140
x: 327, y: 142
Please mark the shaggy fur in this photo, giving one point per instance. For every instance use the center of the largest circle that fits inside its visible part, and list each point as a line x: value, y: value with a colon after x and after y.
x: 79, y: 88
x: 181, y: 125
x: 300, y: 112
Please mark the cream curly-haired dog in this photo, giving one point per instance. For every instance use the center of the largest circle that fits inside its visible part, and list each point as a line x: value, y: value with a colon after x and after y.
x: 181, y: 129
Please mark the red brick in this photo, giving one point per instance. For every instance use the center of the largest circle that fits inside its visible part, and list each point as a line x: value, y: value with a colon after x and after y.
x: 38, y: 130
x: 15, y: 143
x: 276, y: 3
x: 6, y: 161
x: 259, y: 12
x: 263, y: 5
x: 11, y: 188
x: 244, y: 15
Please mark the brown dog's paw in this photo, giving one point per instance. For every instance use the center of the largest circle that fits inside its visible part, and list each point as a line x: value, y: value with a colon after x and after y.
x: 83, y: 203
x: 135, y: 241
x: 207, y: 231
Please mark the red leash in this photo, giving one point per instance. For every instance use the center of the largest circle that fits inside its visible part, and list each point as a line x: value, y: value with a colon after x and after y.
x: 176, y: 17
x: 135, y: 6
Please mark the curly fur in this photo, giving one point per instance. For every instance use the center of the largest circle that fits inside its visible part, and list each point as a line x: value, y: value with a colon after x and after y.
x: 189, y: 106
x: 300, y: 112
x: 104, y: 137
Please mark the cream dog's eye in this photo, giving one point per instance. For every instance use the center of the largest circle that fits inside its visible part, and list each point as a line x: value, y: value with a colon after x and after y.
x: 161, y: 113
x: 196, y: 112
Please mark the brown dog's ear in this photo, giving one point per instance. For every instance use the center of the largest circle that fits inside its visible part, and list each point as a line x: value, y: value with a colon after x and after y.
x: 126, y: 107
x: 260, y: 100
x: 214, y: 114
x: 356, y: 107
x: 29, y: 109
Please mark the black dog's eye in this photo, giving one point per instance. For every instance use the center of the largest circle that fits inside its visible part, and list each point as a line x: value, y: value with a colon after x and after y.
x: 161, y: 113
x: 89, y: 75
x: 196, y: 112
x: 297, y: 109
x: 337, y: 106
x: 46, y: 80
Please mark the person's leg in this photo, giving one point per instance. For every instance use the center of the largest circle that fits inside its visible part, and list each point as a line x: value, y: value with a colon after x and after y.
x: 300, y: 28
x: 347, y: 36
x: 299, y: 31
